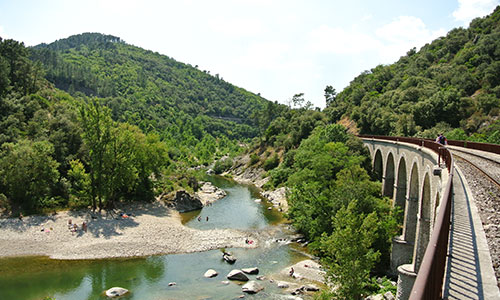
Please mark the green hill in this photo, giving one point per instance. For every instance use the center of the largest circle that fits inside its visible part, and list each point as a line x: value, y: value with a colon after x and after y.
x: 150, y: 90
x: 451, y: 83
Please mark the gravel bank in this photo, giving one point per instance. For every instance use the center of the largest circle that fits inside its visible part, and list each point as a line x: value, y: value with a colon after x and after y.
x: 148, y: 229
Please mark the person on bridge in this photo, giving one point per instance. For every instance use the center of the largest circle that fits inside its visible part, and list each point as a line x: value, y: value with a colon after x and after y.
x: 441, y: 139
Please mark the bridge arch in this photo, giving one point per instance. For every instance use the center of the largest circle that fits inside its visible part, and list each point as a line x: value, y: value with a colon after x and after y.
x: 378, y: 165
x: 424, y: 222
x: 410, y: 220
x: 401, y: 187
x: 388, y: 189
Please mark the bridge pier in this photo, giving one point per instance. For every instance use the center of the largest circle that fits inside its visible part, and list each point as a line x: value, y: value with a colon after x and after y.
x: 406, y: 279
x: 401, y: 254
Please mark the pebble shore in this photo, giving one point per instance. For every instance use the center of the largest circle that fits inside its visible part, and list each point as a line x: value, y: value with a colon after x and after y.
x: 147, y: 229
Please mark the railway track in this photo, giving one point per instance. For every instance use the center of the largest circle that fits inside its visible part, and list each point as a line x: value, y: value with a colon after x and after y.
x: 483, y: 178
x: 486, y: 166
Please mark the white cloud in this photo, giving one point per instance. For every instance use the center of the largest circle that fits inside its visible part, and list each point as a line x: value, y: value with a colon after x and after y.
x: 404, y: 33
x: 470, y: 9
x: 336, y: 40
x: 385, y: 44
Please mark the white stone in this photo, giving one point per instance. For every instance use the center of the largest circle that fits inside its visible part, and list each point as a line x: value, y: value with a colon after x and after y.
x: 116, y: 292
x: 210, y: 273
x: 252, y: 287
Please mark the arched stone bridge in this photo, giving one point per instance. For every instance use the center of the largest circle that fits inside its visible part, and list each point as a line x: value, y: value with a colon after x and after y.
x: 416, y: 178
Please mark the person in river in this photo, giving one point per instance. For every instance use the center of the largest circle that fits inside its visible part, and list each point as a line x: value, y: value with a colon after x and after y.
x: 291, y: 271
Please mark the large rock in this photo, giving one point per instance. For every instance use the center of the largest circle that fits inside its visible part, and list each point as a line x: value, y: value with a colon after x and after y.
x: 251, y: 270
x: 229, y: 258
x: 208, y: 193
x: 210, y: 273
x: 252, y: 287
x: 237, y: 275
x: 116, y: 292
x: 184, y: 202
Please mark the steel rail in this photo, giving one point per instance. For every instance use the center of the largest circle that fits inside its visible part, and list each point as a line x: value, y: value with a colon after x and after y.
x: 493, y: 180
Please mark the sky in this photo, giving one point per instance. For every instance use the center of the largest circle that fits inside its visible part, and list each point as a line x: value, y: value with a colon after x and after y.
x: 277, y: 48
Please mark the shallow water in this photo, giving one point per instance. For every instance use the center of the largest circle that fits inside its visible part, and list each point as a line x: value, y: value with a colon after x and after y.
x: 148, y: 278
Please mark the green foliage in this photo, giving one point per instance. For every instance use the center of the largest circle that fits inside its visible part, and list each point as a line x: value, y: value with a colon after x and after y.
x: 348, y: 250
x: 453, y: 79
x: 222, y: 165
x: 28, y: 173
x: 272, y: 162
x: 150, y: 90
x: 254, y: 158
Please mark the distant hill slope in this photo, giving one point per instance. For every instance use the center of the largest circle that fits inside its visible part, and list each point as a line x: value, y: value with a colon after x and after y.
x: 453, y: 82
x: 148, y: 89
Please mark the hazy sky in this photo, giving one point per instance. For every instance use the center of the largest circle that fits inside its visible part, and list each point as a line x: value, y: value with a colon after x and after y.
x: 276, y: 48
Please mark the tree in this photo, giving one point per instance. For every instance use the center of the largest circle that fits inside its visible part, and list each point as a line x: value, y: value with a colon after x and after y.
x: 330, y: 95
x: 28, y: 173
x: 348, y: 251
x: 96, y: 134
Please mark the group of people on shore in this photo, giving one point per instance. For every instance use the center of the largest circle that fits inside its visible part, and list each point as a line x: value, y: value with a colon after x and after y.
x: 74, y: 228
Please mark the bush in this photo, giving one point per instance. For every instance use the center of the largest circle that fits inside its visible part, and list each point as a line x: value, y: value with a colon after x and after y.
x: 271, y: 162
x: 223, y: 165
x: 254, y: 158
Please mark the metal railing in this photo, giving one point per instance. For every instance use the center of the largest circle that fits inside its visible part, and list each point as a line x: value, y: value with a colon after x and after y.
x: 430, y: 277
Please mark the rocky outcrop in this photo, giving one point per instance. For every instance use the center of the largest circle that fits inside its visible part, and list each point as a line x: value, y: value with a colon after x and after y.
x: 208, y: 193
x: 306, y: 269
x: 252, y: 287
x: 237, y: 275
x: 277, y: 198
x: 183, y: 202
x: 243, y: 173
x: 116, y: 292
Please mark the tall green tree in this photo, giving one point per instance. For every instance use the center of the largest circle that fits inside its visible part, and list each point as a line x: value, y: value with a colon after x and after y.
x: 96, y: 134
x: 28, y: 173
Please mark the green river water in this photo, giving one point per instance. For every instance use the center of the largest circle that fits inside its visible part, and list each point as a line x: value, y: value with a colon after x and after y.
x: 34, y: 278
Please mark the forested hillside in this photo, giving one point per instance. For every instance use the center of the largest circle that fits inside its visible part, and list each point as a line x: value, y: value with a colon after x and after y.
x: 129, y: 125
x: 451, y: 83
x: 149, y: 90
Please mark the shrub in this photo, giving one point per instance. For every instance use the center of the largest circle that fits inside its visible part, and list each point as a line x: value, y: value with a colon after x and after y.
x: 223, y: 165
x: 271, y: 162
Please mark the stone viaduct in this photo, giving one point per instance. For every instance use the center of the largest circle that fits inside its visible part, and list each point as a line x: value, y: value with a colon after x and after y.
x: 415, y: 178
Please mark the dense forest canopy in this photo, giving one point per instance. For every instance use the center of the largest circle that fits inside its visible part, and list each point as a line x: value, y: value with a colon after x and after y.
x: 152, y: 91
x: 451, y: 83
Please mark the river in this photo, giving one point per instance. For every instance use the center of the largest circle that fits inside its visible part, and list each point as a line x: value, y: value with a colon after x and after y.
x: 34, y: 278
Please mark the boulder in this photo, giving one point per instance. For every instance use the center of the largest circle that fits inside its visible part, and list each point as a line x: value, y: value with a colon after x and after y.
x: 310, y: 288
x: 253, y: 270
x: 389, y: 296
x: 283, y: 285
x: 116, y: 292
x: 185, y: 202
x: 210, y: 273
x: 252, y: 287
x: 172, y: 283
x: 228, y: 258
x: 237, y: 275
